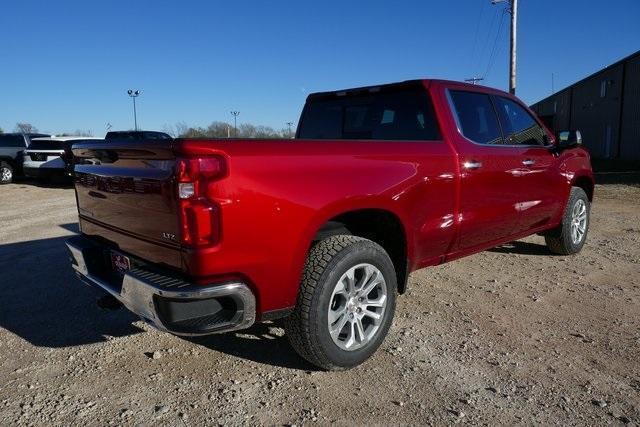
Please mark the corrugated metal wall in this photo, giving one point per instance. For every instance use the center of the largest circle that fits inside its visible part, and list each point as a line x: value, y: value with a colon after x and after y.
x: 595, y: 110
x: 605, y: 107
x: 630, y: 129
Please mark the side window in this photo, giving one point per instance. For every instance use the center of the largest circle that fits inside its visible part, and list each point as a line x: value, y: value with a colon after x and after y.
x: 476, y: 117
x: 519, y: 127
x: 16, y: 141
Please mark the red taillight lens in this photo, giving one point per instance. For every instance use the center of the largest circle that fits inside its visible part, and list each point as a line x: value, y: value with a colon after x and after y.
x: 199, y: 214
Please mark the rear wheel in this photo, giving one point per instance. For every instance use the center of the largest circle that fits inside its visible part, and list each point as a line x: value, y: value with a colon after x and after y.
x: 346, y: 302
x: 569, y: 238
x: 6, y: 173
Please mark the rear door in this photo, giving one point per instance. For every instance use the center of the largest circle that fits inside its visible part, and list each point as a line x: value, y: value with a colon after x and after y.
x: 540, y: 199
x: 490, y: 171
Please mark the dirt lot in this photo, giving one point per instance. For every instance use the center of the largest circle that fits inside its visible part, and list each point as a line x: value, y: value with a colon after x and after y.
x: 511, y: 335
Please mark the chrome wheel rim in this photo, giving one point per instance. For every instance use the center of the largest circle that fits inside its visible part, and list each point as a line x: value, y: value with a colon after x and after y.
x: 578, y: 222
x: 357, y: 307
x: 6, y: 174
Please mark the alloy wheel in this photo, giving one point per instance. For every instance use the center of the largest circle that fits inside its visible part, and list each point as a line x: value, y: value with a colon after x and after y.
x: 357, y: 307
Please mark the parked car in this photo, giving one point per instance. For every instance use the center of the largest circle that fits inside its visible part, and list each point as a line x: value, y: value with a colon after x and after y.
x: 136, y: 135
x: 12, y: 146
x: 202, y: 236
x: 44, y: 159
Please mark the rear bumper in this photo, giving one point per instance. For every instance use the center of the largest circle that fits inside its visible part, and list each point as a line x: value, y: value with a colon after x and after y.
x: 168, y: 303
x: 45, y: 172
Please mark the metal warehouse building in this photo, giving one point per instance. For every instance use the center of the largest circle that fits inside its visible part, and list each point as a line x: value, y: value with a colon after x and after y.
x: 605, y: 107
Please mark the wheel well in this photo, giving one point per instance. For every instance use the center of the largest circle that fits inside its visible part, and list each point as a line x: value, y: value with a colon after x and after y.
x: 8, y: 160
x: 380, y: 226
x: 586, y: 184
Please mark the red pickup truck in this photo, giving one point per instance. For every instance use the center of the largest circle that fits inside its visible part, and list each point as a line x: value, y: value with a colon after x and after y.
x: 202, y: 236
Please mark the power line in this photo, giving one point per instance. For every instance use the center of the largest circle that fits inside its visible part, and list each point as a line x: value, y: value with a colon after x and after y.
x: 475, y: 38
x: 486, y: 42
x: 495, y: 43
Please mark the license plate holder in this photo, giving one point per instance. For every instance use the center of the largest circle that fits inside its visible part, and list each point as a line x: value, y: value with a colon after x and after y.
x: 120, y: 263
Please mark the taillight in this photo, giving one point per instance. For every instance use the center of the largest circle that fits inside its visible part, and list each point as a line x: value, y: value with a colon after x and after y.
x: 199, y: 214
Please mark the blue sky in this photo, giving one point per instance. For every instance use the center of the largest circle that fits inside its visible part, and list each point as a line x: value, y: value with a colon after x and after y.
x: 66, y: 65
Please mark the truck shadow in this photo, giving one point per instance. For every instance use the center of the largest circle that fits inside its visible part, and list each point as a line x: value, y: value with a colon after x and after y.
x: 522, y: 248
x: 259, y: 344
x: 42, y: 302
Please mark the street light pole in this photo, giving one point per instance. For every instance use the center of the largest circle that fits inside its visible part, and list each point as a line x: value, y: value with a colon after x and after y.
x: 134, y: 94
x: 289, y: 124
x: 235, y: 115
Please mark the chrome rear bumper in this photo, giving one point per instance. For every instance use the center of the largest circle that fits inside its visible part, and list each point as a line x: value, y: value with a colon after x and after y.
x: 168, y: 303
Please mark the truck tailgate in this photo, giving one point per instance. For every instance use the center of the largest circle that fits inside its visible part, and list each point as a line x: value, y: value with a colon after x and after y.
x: 126, y: 195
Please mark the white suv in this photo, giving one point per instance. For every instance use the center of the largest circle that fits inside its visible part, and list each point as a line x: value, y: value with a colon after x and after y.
x: 43, y: 157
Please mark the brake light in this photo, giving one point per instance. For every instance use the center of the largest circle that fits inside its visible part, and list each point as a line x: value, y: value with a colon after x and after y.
x: 199, y: 214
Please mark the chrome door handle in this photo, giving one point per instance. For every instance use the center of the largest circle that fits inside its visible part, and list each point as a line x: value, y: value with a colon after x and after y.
x: 472, y: 165
x: 528, y: 162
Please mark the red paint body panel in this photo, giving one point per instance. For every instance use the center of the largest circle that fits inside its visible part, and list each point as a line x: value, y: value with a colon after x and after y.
x: 277, y: 194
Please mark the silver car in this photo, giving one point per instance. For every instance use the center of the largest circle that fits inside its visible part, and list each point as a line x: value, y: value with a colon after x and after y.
x: 43, y: 159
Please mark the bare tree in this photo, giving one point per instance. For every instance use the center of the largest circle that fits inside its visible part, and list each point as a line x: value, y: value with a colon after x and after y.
x: 25, y: 128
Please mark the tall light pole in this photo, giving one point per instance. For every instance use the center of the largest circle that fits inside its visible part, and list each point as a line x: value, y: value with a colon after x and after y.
x: 235, y: 115
x: 513, y: 11
x: 134, y: 94
x: 289, y: 124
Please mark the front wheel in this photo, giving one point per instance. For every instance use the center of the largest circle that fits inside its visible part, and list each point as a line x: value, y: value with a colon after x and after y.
x: 346, y: 302
x: 6, y: 173
x: 569, y: 238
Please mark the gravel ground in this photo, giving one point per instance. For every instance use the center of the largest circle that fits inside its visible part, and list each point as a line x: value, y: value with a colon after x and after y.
x: 511, y: 335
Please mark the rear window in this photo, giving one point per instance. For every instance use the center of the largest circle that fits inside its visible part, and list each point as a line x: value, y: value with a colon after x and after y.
x: 122, y: 135
x: 12, y: 141
x: 48, y: 145
x: 397, y: 113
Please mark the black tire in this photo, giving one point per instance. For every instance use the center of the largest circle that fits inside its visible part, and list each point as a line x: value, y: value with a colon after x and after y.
x: 308, y: 329
x: 560, y: 241
x: 6, y: 173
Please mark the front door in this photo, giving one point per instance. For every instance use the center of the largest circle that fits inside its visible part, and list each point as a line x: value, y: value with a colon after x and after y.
x: 540, y: 199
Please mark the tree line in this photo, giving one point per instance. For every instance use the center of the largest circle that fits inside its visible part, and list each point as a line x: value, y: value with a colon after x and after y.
x: 182, y: 130
x: 226, y: 130
x: 23, y: 127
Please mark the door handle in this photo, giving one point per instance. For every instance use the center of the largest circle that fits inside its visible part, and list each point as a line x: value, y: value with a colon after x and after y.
x: 529, y: 162
x: 472, y: 165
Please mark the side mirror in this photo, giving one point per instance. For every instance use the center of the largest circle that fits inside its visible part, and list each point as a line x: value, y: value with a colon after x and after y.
x: 568, y: 139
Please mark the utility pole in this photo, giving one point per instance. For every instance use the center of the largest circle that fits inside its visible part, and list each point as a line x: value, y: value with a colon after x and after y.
x: 552, y: 85
x: 235, y: 115
x: 134, y: 94
x: 513, y: 11
x: 512, y: 61
x: 289, y: 124
x: 474, y: 80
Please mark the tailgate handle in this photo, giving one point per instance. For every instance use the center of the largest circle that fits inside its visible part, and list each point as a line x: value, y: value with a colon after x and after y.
x: 528, y: 162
